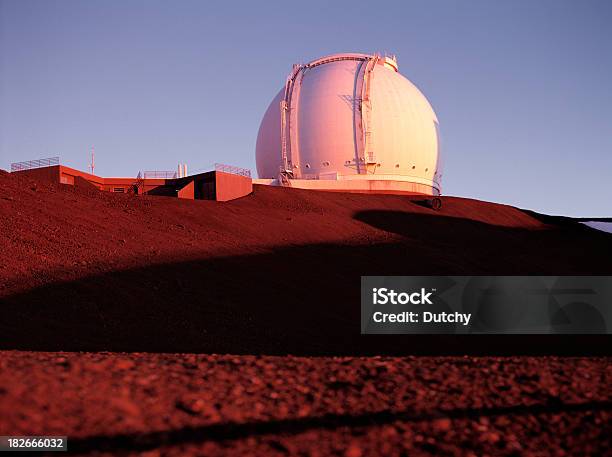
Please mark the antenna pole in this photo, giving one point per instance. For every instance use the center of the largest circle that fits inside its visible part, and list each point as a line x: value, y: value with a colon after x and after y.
x: 93, y: 160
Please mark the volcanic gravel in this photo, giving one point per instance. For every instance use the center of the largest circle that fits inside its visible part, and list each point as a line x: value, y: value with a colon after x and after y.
x: 185, y: 404
x: 273, y: 278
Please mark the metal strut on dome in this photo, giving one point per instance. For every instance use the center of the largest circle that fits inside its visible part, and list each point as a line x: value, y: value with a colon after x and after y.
x: 286, y: 171
x: 366, y: 118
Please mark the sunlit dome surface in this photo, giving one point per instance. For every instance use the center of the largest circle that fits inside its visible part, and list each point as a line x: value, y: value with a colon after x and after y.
x: 351, y: 117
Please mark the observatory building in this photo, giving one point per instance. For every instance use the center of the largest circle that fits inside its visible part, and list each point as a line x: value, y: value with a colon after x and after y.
x: 350, y: 122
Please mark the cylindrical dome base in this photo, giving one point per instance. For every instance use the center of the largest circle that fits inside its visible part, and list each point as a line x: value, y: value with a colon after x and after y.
x: 370, y: 185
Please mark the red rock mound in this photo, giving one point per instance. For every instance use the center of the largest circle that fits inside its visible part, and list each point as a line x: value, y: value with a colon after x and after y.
x: 275, y: 272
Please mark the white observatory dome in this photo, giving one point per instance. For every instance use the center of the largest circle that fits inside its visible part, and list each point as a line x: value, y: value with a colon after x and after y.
x: 350, y: 122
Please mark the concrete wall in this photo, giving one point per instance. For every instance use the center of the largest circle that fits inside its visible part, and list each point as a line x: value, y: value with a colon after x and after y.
x: 187, y: 191
x: 48, y: 174
x: 230, y: 186
x: 212, y: 185
x: 67, y: 176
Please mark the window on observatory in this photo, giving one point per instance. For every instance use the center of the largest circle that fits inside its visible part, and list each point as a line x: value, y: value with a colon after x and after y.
x: 119, y: 189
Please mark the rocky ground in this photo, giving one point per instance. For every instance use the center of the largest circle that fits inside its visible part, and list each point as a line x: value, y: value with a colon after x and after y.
x: 186, y: 404
x: 146, y: 292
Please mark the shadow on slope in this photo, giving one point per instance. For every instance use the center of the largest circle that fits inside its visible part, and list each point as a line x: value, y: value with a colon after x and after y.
x: 564, y: 220
x: 300, y: 300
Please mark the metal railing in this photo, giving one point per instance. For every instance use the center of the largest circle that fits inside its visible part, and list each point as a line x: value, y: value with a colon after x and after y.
x: 39, y: 163
x: 158, y: 174
x: 233, y: 170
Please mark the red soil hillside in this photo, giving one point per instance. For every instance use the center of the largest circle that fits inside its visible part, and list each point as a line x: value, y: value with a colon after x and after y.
x: 277, y: 271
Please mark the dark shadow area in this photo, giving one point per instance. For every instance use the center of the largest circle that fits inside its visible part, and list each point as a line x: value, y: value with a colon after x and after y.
x: 561, y: 221
x: 235, y: 431
x: 439, y: 228
x: 301, y: 300
x: 434, y: 203
x: 564, y: 221
x: 167, y: 190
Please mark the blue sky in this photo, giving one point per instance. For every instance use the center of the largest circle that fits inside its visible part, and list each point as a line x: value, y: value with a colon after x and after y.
x: 521, y: 88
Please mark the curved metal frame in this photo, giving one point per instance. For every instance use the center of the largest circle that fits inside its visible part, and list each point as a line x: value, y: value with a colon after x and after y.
x: 289, y: 145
